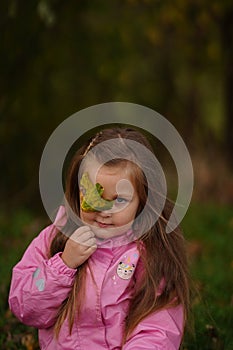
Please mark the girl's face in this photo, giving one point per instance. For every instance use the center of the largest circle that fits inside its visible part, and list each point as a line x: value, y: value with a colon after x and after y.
x: 118, y: 187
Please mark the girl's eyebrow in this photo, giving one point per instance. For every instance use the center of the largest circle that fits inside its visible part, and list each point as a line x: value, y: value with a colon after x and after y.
x: 126, y: 195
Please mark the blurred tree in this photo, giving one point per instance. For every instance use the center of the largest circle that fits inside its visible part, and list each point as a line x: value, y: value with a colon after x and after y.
x: 59, y: 57
x: 226, y: 27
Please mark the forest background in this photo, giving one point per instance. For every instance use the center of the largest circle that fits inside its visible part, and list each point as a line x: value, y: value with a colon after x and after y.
x: 175, y: 57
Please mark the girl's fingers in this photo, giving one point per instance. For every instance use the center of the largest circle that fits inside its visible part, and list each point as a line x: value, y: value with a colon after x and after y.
x: 79, y: 247
x: 91, y: 242
x: 82, y: 235
x: 83, y: 230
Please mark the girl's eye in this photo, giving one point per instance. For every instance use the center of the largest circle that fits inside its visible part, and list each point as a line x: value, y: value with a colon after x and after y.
x: 120, y: 200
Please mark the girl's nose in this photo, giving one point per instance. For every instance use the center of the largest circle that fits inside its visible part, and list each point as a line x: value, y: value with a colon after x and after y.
x: 105, y: 213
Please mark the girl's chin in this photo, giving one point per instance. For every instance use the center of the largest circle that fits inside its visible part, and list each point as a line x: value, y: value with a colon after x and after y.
x: 106, y: 233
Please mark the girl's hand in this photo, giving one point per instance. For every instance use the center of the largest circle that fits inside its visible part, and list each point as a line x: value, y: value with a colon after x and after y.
x: 79, y: 247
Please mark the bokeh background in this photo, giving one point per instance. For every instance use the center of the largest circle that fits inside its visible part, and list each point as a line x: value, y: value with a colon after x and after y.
x: 176, y: 57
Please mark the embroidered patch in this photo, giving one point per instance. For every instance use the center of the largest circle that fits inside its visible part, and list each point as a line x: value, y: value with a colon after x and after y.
x: 40, y: 284
x: 36, y: 273
x: 125, y: 269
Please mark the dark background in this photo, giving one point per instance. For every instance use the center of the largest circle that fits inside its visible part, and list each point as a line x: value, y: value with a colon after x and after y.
x: 58, y: 57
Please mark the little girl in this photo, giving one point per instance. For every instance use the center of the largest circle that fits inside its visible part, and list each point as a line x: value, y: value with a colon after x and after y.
x: 105, y: 274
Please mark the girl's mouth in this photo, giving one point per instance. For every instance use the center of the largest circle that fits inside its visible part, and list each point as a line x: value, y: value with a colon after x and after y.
x: 103, y: 225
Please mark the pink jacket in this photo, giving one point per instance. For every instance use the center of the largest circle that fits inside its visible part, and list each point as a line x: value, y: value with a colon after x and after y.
x: 39, y: 286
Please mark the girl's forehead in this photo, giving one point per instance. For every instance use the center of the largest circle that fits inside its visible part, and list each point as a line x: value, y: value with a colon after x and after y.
x: 116, y: 180
x: 111, y: 170
x: 119, y: 170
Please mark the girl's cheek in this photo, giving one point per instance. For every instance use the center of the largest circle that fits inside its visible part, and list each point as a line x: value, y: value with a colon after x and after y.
x: 87, y: 217
x: 83, y: 216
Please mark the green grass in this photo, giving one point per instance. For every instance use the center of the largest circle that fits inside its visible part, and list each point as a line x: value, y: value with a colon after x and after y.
x: 207, y: 227
x: 16, y: 232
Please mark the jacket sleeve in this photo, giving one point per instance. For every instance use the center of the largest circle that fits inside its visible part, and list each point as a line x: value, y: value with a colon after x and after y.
x: 39, y: 285
x: 161, y: 330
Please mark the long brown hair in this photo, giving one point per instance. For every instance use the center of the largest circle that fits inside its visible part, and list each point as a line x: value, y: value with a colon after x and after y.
x: 163, y: 255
